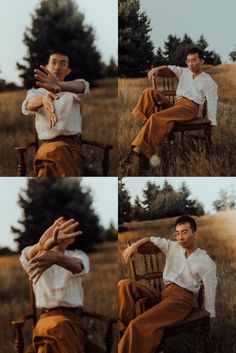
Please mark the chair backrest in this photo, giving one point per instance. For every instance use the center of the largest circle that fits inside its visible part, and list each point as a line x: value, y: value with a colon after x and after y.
x: 147, y: 265
x: 166, y: 83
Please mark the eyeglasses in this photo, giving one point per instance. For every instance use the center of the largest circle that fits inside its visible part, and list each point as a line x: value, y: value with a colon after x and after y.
x: 188, y: 61
x: 184, y: 234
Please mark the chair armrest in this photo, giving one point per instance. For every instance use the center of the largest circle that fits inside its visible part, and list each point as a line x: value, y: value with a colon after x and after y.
x: 21, y: 151
x: 18, y: 326
x: 109, y: 331
x: 106, y: 149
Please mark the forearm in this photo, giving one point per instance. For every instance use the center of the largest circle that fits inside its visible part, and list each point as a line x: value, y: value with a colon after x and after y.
x: 72, y: 86
x: 33, y: 251
x: 71, y: 264
x: 141, y: 241
x: 35, y: 103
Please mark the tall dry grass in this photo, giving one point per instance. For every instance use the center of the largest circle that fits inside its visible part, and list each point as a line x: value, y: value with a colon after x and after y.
x: 217, y: 237
x: 99, y: 286
x: 188, y: 158
x: 99, y: 123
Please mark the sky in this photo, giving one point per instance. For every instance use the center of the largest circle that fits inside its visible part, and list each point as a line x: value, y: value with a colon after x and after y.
x: 15, y: 16
x: 105, y: 200
x: 204, y: 189
x: 213, y: 18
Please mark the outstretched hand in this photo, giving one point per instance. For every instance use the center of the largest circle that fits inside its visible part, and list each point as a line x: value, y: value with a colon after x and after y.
x: 47, y: 80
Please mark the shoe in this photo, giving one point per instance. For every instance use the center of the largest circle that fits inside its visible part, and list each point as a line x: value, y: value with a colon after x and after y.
x: 134, y: 164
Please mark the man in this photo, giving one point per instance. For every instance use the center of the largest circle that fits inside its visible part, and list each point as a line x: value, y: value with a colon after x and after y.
x: 194, y: 87
x: 58, y: 121
x: 56, y: 274
x: 187, y: 267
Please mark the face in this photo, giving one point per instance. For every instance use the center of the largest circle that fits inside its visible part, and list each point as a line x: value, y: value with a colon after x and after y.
x: 194, y: 62
x: 185, y: 236
x: 58, y: 65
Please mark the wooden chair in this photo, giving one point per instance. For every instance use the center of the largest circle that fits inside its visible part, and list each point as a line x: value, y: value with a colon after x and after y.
x: 91, y: 347
x: 147, y: 266
x: 166, y: 83
x: 34, y: 145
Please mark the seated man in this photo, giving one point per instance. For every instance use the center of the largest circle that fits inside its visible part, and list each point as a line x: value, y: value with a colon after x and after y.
x: 187, y: 267
x: 194, y: 87
x: 58, y: 121
x: 56, y: 274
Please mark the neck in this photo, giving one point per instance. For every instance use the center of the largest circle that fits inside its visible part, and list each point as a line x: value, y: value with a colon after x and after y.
x: 195, y: 74
x: 190, y: 250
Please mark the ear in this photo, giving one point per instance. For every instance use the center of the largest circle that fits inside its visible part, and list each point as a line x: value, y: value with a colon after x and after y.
x: 68, y: 71
x: 195, y: 234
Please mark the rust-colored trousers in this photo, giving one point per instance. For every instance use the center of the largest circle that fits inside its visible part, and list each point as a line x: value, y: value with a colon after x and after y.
x: 59, y: 331
x: 59, y: 157
x: 143, y: 333
x: 158, y: 125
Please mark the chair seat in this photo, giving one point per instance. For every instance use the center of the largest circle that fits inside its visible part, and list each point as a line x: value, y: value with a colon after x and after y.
x: 196, y: 121
x: 194, y: 319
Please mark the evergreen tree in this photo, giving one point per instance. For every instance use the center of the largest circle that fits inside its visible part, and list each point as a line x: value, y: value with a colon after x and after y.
x: 135, y: 45
x: 46, y: 199
x: 176, y: 49
x: 124, y: 204
x: 59, y: 24
x: 137, y: 211
x: 150, y: 194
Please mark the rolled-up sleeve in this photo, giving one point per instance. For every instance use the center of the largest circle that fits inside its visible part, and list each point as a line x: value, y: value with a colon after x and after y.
x: 177, y: 70
x: 84, y: 260
x: 212, y: 98
x: 32, y: 93
x: 23, y: 258
x: 79, y: 96
x: 210, y: 282
x: 162, y: 243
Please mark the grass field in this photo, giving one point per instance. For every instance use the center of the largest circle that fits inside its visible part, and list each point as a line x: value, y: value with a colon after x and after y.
x: 99, y: 285
x: 217, y: 237
x: 188, y: 158
x: 99, y: 123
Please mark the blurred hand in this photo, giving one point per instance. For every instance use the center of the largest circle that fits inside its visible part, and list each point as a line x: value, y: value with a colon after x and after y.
x: 47, y: 80
x: 47, y: 102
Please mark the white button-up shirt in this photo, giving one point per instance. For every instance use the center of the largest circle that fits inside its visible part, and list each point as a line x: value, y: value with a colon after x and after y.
x: 68, y: 111
x: 57, y: 286
x: 191, y: 272
x: 197, y: 89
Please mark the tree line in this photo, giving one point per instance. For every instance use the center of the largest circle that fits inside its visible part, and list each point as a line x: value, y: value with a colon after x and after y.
x: 136, y: 50
x: 161, y: 202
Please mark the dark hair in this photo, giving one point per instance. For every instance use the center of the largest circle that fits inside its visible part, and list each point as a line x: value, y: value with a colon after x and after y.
x: 198, y: 51
x: 61, y: 51
x: 187, y: 219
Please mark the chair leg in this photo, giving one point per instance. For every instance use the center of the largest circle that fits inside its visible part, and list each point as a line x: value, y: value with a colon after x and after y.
x: 206, y: 345
x: 208, y: 139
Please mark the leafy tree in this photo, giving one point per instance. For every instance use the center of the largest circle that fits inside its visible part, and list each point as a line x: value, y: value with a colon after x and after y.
x: 111, y: 69
x: 46, y: 199
x: 135, y: 45
x: 59, y: 24
x: 124, y: 204
x: 226, y: 199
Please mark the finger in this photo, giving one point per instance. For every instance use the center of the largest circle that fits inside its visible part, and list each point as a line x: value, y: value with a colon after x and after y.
x: 70, y: 235
x: 45, y: 69
x: 40, y: 73
x: 55, y: 234
x: 70, y: 227
x: 67, y: 223
x: 58, y: 221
